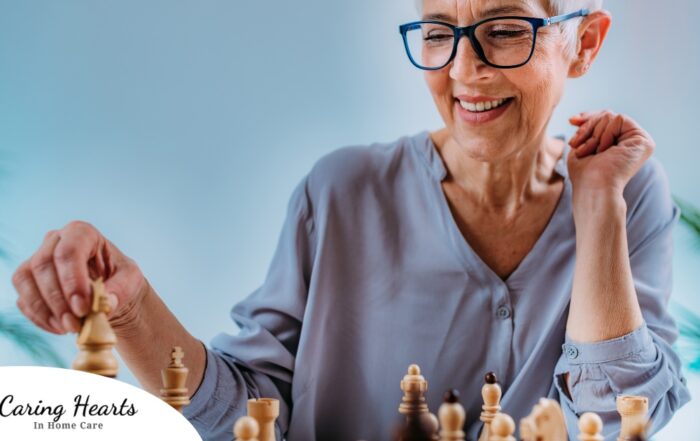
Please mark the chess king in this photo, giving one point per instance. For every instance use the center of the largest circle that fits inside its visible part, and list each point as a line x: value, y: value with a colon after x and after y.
x: 485, y: 245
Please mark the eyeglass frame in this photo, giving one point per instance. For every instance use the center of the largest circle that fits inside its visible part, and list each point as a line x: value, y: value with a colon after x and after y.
x: 469, y: 32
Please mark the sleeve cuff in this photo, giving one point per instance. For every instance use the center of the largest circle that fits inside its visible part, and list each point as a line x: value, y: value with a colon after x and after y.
x: 618, y: 348
x: 206, y: 389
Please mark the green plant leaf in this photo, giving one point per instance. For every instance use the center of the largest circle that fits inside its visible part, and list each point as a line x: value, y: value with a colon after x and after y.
x: 690, y: 216
x: 688, y: 344
x: 28, y: 339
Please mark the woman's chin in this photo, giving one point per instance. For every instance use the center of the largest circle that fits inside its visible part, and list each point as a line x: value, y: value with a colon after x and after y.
x: 481, y: 146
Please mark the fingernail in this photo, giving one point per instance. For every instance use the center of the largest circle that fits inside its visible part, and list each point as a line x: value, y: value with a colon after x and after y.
x: 57, y: 326
x: 70, y: 323
x: 78, y: 305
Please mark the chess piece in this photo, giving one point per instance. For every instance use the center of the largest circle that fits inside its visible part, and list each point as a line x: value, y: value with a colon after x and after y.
x: 174, y: 391
x: 452, y: 417
x: 246, y: 429
x: 502, y: 428
x: 527, y: 429
x: 545, y: 423
x: 491, y: 394
x: 590, y: 425
x: 96, y: 337
x: 420, y: 423
x: 265, y: 411
x: 633, y: 415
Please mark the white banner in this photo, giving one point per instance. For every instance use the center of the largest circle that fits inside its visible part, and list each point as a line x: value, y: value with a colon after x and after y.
x: 40, y: 403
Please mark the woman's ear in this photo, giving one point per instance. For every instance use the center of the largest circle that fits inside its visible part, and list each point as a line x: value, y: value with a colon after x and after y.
x: 590, y: 37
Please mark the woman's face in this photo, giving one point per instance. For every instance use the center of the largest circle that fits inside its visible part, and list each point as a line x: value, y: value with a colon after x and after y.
x: 531, y: 91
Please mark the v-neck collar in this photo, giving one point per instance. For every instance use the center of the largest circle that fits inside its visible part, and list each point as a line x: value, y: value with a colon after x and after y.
x: 472, y: 262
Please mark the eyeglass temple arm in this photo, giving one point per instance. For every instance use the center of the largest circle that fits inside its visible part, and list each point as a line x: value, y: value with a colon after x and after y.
x: 560, y: 18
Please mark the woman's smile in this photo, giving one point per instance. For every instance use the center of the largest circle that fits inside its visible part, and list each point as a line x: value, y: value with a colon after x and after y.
x: 481, y: 112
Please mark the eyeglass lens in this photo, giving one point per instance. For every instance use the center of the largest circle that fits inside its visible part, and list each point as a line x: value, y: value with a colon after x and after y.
x: 505, y: 42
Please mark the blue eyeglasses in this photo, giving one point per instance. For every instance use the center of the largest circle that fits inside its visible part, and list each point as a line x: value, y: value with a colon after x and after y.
x: 500, y: 42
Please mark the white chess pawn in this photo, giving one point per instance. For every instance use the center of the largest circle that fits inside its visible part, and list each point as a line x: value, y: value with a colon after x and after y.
x: 590, y: 425
x: 502, y: 428
x: 246, y: 429
x: 452, y: 417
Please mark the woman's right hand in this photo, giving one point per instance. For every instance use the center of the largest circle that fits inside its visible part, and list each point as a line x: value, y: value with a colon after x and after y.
x: 54, y: 284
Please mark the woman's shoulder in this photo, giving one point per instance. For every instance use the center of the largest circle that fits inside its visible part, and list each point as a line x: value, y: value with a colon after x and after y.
x: 357, y: 165
x: 650, y: 206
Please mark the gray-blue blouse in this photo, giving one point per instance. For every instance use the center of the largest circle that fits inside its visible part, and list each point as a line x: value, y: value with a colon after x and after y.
x: 371, y: 274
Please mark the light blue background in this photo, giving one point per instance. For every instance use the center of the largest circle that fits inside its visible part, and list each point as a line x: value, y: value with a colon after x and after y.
x: 179, y: 128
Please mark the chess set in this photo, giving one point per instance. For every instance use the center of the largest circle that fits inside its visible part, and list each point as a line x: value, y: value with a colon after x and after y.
x: 545, y: 423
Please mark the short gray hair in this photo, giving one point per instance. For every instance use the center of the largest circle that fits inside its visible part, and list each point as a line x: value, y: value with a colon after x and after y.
x: 558, y: 7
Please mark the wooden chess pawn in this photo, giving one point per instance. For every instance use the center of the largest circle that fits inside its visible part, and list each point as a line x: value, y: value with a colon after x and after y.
x: 633, y: 415
x: 246, y: 429
x: 590, y: 425
x: 452, y: 416
x: 96, y: 338
x: 174, y: 391
x: 265, y: 411
x: 502, y: 428
x: 491, y: 394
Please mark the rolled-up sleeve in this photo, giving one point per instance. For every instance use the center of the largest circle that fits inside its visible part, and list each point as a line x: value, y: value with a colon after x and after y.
x: 642, y: 362
x: 259, y: 360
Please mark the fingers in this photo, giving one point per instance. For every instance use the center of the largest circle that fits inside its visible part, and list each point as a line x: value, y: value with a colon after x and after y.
x: 46, y: 278
x: 79, y: 242
x: 30, y: 301
x: 597, y: 132
x: 54, y: 284
x: 610, y: 134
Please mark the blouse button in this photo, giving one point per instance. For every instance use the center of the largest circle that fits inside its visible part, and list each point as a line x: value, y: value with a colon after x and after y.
x: 503, y: 312
x: 571, y: 351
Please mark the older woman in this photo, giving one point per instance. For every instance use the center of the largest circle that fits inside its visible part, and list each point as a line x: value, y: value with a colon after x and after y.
x: 484, y: 246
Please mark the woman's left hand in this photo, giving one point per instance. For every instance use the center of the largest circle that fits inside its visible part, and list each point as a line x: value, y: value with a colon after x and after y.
x: 607, y: 150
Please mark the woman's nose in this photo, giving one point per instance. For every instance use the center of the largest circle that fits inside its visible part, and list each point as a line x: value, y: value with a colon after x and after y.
x: 467, y: 66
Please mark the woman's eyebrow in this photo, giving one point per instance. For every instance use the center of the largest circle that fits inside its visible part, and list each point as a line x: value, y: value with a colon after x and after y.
x: 503, y: 10
x: 439, y: 17
x: 497, y: 11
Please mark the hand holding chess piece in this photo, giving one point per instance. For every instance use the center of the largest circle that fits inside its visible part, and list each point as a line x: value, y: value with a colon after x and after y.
x: 96, y: 338
x: 174, y: 391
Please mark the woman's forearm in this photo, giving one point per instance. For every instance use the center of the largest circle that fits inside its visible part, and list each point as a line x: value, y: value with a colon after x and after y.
x: 603, y: 300
x: 145, y: 337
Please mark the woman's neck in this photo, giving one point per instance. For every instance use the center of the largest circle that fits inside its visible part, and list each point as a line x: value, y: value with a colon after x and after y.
x: 506, y: 185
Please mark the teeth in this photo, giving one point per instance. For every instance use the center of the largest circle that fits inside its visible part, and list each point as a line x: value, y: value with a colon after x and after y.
x: 482, y: 106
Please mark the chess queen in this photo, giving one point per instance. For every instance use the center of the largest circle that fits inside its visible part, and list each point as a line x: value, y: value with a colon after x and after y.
x: 485, y: 245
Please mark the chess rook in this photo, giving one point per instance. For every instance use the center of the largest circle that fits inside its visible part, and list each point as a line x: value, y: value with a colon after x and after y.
x: 633, y: 416
x: 174, y: 376
x: 491, y: 394
x: 265, y: 411
x: 96, y: 337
